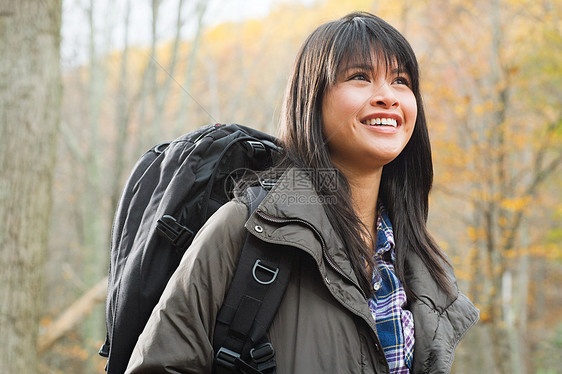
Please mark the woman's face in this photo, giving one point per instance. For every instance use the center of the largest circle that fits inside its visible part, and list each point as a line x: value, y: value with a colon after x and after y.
x: 368, y: 116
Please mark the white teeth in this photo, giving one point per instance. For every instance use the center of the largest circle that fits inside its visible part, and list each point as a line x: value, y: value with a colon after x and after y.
x: 381, y: 122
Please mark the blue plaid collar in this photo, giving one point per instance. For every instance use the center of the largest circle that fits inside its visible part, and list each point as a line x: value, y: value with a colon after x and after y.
x: 395, y: 325
x: 385, y: 235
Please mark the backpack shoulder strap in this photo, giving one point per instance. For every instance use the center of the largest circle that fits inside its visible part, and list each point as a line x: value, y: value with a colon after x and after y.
x: 240, y: 341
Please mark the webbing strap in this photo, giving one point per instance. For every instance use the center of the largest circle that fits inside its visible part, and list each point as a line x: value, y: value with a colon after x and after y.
x: 251, y: 303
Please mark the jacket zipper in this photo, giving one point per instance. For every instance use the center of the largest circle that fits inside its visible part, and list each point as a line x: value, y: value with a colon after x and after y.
x: 322, y: 243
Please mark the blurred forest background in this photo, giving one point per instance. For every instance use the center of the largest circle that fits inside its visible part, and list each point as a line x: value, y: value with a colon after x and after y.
x: 137, y: 73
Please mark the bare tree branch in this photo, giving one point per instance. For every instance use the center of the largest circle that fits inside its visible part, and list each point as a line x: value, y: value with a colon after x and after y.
x: 73, y: 315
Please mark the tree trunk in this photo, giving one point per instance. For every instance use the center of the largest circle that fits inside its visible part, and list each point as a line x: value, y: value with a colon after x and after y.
x: 182, y: 124
x: 30, y: 101
x: 122, y: 114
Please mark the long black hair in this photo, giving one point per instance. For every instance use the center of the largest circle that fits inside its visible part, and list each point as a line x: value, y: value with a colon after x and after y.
x: 405, y: 182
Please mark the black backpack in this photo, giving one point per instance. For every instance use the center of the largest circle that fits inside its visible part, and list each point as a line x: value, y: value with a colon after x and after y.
x: 173, y: 189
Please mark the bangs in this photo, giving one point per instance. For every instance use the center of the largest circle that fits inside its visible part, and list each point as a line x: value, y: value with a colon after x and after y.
x: 364, y: 42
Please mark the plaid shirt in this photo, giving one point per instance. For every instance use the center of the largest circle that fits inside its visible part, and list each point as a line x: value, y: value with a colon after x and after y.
x: 395, y: 326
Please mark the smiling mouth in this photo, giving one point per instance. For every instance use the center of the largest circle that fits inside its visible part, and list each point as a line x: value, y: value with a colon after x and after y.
x: 380, y: 122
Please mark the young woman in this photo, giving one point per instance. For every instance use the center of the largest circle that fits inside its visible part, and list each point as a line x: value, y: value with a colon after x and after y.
x: 370, y: 291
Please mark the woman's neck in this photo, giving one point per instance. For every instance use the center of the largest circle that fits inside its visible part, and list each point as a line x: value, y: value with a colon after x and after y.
x: 364, y: 195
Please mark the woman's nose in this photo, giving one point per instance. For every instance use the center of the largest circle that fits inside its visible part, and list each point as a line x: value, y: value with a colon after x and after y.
x: 384, y: 96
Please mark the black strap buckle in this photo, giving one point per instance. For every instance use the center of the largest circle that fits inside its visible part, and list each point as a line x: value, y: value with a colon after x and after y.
x: 226, y: 358
x: 171, y: 229
x: 268, y: 183
x: 160, y: 148
x: 258, y: 149
x: 263, y: 353
x: 104, y: 350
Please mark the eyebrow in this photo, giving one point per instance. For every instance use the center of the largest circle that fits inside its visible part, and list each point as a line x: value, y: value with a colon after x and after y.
x: 394, y: 71
x: 356, y: 67
x: 397, y: 70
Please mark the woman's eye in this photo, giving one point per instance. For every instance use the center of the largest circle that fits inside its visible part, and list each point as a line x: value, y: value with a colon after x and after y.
x: 402, y: 80
x: 360, y: 76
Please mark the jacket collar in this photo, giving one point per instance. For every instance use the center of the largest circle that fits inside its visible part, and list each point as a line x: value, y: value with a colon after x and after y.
x: 294, y: 198
x: 293, y: 205
x: 425, y: 288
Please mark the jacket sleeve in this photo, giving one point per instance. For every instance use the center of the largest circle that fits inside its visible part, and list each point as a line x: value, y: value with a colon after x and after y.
x: 178, y: 335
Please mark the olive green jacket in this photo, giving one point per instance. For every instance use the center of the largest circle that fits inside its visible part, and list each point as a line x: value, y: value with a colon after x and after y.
x: 323, y: 324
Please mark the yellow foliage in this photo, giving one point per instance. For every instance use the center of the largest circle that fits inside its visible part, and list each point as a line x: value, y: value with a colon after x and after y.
x: 460, y: 110
x: 472, y: 233
x: 515, y: 204
x: 512, y: 253
x: 337, y: 8
x: 475, y: 233
x: 45, y: 321
x: 548, y: 251
x: 519, y: 140
x: 484, y: 314
x: 463, y: 274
